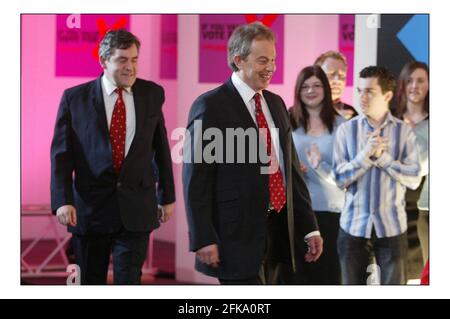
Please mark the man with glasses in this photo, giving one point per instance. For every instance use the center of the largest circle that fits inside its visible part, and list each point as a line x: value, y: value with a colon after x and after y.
x: 334, y: 65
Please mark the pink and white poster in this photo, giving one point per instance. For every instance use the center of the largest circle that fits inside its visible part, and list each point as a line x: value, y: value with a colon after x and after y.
x: 215, y: 30
x: 77, y: 40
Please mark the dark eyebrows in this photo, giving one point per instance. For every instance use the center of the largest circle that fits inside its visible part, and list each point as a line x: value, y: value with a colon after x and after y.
x: 365, y: 89
x: 124, y: 58
x: 313, y: 83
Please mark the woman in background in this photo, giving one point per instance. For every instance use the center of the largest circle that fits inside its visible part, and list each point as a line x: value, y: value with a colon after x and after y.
x: 314, y: 124
x: 413, y: 107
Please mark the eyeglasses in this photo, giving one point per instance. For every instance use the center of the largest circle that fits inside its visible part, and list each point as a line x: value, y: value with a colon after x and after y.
x: 314, y: 87
x: 340, y: 76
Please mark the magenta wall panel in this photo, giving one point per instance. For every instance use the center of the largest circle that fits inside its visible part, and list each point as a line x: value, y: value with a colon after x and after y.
x: 77, y: 40
x: 215, y: 29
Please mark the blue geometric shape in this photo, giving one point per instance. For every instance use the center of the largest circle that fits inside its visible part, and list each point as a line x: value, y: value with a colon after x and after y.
x: 414, y: 36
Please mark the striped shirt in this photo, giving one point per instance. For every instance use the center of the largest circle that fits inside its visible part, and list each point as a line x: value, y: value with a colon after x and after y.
x: 375, y: 189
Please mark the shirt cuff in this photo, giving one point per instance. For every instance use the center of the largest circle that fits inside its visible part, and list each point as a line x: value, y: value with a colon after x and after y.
x: 384, y: 160
x: 363, y: 160
x: 312, y: 234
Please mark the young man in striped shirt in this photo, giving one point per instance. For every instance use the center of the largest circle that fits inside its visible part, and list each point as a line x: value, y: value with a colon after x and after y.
x: 375, y: 160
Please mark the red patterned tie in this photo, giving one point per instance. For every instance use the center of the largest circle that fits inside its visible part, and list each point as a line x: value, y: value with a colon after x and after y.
x: 117, y: 132
x: 277, y: 190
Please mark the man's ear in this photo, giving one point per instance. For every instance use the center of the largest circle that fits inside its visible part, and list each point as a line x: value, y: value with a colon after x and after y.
x: 388, y: 96
x: 102, y: 62
x: 238, y: 61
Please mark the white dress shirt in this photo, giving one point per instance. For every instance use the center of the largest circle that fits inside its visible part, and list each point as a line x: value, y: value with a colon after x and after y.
x: 247, y: 94
x: 110, y: 97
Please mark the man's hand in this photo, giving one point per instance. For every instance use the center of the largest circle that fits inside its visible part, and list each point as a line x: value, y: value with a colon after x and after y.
x: 377, y: 144
x: 315, y: 247
x: 165, y: 212
x: 209, y: 255
x: 67, y: 215
x: 382, y: 146
x: 372, y: 143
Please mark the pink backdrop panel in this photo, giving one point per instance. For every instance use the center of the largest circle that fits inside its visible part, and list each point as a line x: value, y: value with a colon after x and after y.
x: 214, y: 31
x: 77, y: 43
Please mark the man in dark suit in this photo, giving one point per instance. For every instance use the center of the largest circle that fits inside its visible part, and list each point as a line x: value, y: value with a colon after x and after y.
x: 246, y: 225
x: 108, y: 151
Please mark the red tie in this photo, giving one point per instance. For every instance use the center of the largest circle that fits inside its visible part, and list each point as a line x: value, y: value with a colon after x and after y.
x: 277, y: 190
x: 117, y: 132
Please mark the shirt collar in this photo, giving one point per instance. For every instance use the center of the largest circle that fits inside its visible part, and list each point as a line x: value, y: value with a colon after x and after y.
x: 246, y: 92
x: 110, y: 87
x: 389, y: 119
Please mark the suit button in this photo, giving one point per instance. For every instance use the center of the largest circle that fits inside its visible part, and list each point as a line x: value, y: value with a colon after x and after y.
x: 119, y: 184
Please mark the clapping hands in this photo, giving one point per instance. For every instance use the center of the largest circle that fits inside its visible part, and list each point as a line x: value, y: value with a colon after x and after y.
x: 376, y: 144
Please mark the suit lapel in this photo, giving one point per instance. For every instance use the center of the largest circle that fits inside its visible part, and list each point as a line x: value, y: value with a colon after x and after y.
x: 277, y: 119
x: 275, y: 112
x: 239, y: 106
x: 140, y: 102
x: 99, y: 106
x: 285, y: 142
x: 241, y: 110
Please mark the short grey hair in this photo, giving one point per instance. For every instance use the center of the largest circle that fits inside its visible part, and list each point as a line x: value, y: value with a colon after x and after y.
x: 241, y: 40
x: 333, y: 55
x: 117, y: 39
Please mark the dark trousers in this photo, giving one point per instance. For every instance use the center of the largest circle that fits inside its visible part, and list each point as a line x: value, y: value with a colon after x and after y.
x: 276, y: 266
x: 257, y: 280
x: 277, y: 273
x: 326, y: 270
x: 390, y: 254
x: 423, y: 232
x: 415, y: 258
x: 129, y: 251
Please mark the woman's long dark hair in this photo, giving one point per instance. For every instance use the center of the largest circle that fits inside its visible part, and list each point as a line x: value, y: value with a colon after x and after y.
x: 298, y: 113
x: 400, y: 108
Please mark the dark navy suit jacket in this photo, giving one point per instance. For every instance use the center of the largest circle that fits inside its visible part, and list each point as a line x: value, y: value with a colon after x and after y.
x: 81, y: 162
x: 227, y: 203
